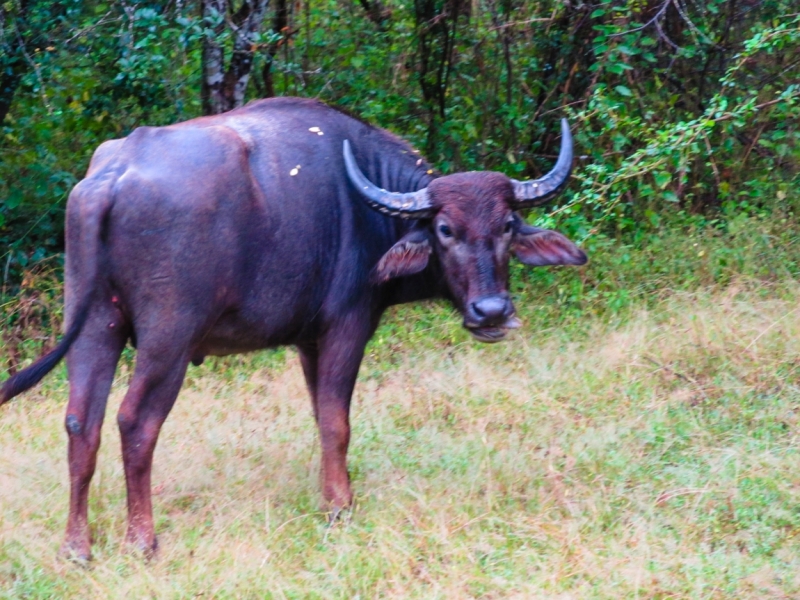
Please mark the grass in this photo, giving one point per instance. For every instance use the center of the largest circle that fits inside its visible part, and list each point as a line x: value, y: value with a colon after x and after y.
x: 648, y: 452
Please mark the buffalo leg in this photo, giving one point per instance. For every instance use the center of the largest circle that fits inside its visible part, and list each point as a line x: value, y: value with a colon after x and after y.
x: 91, y: 362
x: 309, y: 355
x: 339, y: 358
x: 156, y: 381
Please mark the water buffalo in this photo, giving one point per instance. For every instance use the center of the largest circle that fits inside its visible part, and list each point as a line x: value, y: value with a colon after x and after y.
x: 264, y: 226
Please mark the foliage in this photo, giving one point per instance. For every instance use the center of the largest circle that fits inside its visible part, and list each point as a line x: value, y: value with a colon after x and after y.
x: 96, y: 71
x: 694, y: 161
x: 676, y: 105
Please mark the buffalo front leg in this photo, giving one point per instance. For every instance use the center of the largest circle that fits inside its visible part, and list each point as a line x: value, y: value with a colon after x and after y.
x: 91, y: 363
x: 338, y: 360
x: 152, y: 393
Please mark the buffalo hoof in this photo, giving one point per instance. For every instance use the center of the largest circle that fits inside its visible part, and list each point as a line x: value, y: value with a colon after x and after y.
x: 340, y: 515
x: 77, y: 553
x: 139, y: 547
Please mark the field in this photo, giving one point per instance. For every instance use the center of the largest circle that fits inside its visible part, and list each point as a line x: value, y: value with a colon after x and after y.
x: 648, y: 452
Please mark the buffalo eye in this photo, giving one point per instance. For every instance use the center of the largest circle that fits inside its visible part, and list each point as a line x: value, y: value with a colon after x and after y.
x: 509, y: 226
x: 445, y: 230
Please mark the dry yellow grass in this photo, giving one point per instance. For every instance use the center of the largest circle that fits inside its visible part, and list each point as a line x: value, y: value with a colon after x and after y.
x: 656, y: 458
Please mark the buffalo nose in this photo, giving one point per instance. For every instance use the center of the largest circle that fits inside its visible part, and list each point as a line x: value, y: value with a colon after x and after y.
x: 491, y: 310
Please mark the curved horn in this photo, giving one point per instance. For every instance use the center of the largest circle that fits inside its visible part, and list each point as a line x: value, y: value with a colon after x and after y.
x: 413, y: 205
x: 539, y: 191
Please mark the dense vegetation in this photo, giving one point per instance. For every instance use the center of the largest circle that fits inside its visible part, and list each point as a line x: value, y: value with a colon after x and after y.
x: 679, y: 106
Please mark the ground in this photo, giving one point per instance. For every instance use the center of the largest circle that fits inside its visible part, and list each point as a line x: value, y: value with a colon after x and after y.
x: 653, y: 455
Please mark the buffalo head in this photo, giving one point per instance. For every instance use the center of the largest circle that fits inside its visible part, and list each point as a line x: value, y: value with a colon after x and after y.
x: 469, y: 221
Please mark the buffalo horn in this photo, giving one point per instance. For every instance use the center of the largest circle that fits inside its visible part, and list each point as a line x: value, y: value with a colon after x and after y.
x: 412, y: 205
x: 539, y: 191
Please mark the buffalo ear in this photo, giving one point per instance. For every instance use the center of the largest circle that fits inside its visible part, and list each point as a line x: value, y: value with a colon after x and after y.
x: 542, y: 247
x: 408, y: 256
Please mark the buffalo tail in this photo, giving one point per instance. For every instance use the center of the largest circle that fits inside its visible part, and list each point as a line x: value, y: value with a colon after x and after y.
x: 30, y: 376
x: 98, y: 203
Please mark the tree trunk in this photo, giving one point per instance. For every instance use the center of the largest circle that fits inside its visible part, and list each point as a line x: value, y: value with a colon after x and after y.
x: 280, y: 22
x: 436, y: 24
x: 225, y: 90
x: 376, y: 12
x: 214, y: 12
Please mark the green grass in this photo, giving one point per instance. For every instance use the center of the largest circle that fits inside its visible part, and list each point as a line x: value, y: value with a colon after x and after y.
x: 649, y: 451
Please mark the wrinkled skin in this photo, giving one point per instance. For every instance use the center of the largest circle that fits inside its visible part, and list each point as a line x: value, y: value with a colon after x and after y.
x: 242, y: 231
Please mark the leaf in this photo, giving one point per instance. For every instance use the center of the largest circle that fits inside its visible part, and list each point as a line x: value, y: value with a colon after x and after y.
x: 14, y: 199
x: 671, y: 197
x: 623, y: 91
x: 618, y: 68
x: 662, y: 179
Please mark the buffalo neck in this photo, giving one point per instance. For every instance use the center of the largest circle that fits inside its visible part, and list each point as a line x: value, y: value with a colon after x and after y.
x: 397, y: 167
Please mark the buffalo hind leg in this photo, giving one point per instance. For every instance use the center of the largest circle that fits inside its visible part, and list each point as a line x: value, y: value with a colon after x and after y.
x: 155, y: 385
x: 91, y: 363
x: 309, y: 356
x: 339, y: 357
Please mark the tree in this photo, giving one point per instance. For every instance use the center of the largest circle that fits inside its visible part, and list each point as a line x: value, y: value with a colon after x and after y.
x: 280, y: 31
x: 436, y: 24
x: 26, y: 26
x: 225, y: 89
